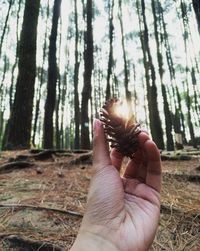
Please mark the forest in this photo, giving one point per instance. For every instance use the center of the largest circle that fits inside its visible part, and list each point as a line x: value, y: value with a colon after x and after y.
x: 60, y: 61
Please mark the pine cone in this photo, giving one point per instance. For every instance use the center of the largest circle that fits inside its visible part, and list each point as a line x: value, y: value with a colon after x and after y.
x: 121, y: 131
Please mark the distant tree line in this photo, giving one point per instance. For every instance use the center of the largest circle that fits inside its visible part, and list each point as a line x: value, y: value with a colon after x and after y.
x: 42, y: 105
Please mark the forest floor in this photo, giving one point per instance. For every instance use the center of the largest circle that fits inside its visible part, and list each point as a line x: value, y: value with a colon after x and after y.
x: 43, y: 197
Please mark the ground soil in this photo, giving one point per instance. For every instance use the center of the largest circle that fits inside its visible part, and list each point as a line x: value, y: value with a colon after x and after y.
x: 41, y: 205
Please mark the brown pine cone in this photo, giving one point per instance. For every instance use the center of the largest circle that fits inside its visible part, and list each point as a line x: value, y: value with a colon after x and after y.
x: 121, y: 130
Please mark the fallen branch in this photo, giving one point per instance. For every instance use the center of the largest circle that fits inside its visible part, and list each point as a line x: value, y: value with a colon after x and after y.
x: 17, y: 241
x: 85, y: 158
x: 169, y: 209
x: 22, y: 206
x: 80, y: 151
x: 8, y: 167
x: 43, y: 154
x: 195, y: 178
x: 175, y: 157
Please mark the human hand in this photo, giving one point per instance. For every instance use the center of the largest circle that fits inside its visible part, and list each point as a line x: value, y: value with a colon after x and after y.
x: 122, y: 212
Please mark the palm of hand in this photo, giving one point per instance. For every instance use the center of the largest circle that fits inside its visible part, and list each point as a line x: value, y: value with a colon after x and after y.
x: 123, y: 211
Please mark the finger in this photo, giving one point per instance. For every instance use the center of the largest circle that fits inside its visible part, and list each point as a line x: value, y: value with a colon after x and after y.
x: 142, y: 137
x: 101, y: 156
x: 116, y: 158
x: 153, y: 177
x: 133, y: 165
x: 136, y: 167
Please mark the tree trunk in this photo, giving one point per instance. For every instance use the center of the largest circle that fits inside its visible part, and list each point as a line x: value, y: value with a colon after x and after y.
x: 57, y: 117
x: 11, y: 92
x: 154, y: 118
x: 87, y: 88
x: 48, y: 139
x: 63, y: 101
x: 178, y: 120
x: 110, y: 59
x: 126, y: 70
x: 5, y: 25
x: 167, y: 113
x: 19, y: 132
x: 196, y: 7
x: 188, y: 98
x: 76, y: 79
x: 42, y: 79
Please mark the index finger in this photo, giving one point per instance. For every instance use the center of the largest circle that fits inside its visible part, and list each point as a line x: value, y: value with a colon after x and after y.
x: 134, y: 166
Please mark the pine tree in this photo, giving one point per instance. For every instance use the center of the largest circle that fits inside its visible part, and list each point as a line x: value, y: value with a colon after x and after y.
x: 48, y: 139
x: 19, y: 133
x: 88, y: 68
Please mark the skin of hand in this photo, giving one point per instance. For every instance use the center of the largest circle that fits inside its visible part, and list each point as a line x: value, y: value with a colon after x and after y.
x: 122, y: 213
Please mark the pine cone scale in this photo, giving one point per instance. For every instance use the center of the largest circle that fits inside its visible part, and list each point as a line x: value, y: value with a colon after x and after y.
x: 121, y: 132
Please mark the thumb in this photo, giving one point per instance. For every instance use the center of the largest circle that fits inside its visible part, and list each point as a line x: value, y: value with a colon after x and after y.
x: 101, y: 155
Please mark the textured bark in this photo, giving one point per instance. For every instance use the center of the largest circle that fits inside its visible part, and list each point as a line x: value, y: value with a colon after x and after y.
x: 196, y: 6
x: 63, y: 102
x: 110, y: 59
x: 195, y: 89
x: 5, y: 24
x: 76, y: 79
x: 41, y: 80
x: 154, y: 118
x: 178, y: 120
x: 167, y: 113
x: 19, y: 132
x: 187, y: 69
x: 48, y: 139
x: 11, y: 91
x: 87, y: 88
x: 126, y: 70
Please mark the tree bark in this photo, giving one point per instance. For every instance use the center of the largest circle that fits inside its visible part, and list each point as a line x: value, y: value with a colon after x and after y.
x: 42, y: 79
x: 110, y: 58
x: 126, y: 70
x: 5, y: 25
x: 87, y: 88
x: 76, y: 79
x: 19, y: 132
x: 154, y: 118
x: 167, y: 113
x: 48, y: 139
x: 196, y: 7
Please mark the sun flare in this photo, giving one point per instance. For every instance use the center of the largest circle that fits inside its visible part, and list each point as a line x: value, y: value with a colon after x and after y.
x: 122, y: 110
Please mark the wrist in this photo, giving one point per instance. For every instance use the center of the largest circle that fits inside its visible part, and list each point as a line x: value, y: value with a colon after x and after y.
x: 90, y: 241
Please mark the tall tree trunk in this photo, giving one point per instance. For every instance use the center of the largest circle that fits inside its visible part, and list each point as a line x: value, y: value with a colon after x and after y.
x: 178, y: 120
x: 196, y: 7
x: 194, y: 84
x: 58, y: 98
x: 5, y: 69
x: 188, y: 98
x: 87, y: 88
x: 11, y: 92
x: 110, y: 59
x: 5, y: 25
x: 57, y: 117
x: 41, y: 80
x: 76, y: 79
x: 154, y: 118
x: 48, y: 141
x: 167, y: 113
x: 126, y: 70
x: 63, y: 101
x: 21, y: 115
